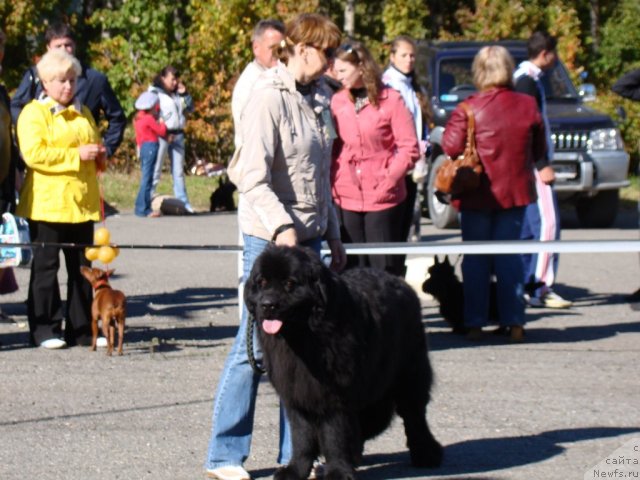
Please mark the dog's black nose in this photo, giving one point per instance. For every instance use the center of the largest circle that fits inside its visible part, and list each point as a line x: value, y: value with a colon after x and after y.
x: 268, y: 308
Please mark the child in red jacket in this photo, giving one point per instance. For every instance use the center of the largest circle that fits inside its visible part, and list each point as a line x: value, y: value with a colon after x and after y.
x: 148, y: 128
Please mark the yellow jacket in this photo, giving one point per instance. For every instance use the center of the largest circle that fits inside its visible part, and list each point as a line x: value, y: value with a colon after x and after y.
x: 58, y: 187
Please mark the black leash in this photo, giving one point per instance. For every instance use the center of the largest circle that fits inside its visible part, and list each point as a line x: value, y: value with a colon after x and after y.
x: 250, y: 356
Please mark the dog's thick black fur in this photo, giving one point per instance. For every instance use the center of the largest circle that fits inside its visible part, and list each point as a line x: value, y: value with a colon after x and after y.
x: 443, y: 284
x: 344, y: 352
x: 221, y: 200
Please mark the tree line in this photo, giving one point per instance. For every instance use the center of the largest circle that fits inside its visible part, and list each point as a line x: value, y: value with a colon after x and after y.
x: 208, y: 41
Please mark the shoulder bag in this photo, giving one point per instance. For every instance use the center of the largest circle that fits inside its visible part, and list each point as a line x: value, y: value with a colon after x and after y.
x: 461, y: 175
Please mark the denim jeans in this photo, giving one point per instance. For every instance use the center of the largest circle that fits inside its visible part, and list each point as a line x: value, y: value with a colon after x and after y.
x: 175, y: 151
x: 477, y: 269
x: 148, y: 156
x: 234, y: 404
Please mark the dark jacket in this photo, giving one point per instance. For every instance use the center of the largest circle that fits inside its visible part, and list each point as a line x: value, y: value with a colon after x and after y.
x: 93, y: 90
x: 628, y: 86
x: 8, y: 156
x: 510, y: 141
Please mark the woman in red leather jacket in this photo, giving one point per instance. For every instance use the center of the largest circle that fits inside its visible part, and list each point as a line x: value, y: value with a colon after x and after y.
x: 510, y: 142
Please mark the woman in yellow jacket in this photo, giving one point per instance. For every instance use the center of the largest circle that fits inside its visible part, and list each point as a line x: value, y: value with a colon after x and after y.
x: 62, y: 148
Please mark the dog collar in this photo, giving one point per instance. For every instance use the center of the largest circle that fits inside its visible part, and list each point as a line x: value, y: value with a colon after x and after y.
x: 101, y: 284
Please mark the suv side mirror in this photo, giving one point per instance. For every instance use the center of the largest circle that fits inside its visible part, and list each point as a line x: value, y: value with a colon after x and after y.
x: 587, y: 92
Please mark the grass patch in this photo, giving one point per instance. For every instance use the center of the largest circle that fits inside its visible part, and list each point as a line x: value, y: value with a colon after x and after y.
x: 632, y: 192
x: 120, y: 189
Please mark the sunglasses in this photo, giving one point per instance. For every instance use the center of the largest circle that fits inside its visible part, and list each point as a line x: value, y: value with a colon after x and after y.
x: 329, y: 53
x: 348, y: 48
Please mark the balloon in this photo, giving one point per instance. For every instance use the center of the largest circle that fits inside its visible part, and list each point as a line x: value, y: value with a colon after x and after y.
x: 91, y: 253
x: 106, y: 254
x: 101, y: 236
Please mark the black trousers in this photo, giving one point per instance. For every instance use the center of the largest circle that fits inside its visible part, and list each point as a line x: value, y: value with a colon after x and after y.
x: 373, y: 227
x: 44, y: 305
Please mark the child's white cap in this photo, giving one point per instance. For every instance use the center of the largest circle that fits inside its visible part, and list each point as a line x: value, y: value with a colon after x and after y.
x: 146, y: 101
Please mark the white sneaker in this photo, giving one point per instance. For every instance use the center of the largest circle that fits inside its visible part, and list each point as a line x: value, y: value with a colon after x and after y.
x: 229, y: 472
x: 549, y: 299
x: 101, y: 342
x: 53, y: 344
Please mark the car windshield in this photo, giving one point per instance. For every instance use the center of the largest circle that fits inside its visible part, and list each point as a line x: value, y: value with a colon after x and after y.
x: 455, y: 82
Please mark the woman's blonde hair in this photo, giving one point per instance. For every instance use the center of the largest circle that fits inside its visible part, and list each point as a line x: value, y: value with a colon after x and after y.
x: 492, y: 67
x: 357, y: 54
x: 57, y: 63
x: 308, y: 29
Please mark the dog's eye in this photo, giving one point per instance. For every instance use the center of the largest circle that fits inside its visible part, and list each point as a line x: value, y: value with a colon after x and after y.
x: 289, y: 285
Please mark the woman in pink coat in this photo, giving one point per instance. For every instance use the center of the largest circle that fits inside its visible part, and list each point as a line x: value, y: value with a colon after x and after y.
x: 375, y: 148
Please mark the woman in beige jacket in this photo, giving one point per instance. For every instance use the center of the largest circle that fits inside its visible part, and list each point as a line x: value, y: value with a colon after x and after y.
x: 282, y: 174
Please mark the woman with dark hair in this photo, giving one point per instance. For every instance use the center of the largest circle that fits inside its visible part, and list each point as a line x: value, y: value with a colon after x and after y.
x: 281, y: 170
x: 376, y: 147
x: 400, y: 76
x: 175, y: 101
x: 510, y: 140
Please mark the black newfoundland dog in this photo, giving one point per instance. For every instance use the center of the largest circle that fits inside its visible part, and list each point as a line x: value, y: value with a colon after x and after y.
x: 344, y: 352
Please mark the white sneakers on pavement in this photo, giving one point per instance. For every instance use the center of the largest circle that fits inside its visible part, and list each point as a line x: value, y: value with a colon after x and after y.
x: 53, y: 344
x: 549, y: 299
x: 229, y: 472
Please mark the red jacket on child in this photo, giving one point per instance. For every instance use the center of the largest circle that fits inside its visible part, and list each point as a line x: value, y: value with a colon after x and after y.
x: 148, y: 128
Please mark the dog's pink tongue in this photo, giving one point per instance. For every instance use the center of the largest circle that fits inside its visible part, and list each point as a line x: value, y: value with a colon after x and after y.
x: 271, y: 326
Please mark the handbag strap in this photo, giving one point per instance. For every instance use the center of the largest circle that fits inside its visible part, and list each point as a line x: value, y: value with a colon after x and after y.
x: 471, y: 126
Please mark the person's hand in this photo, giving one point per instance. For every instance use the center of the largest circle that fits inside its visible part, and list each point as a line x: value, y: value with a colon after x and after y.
x: 338, y: 255
x: 91, y: 152
x: 287, y: 238
x: 547, y: 175
x: 181, y: 88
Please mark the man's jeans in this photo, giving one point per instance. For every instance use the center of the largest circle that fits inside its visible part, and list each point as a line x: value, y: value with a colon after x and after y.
x: 148, y: 156
x: 175, y: 151
x: 234, y: 405
x: 477, y: 269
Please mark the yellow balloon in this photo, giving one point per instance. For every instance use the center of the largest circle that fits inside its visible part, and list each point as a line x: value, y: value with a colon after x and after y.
x: 106, y: 254
x: 91, y: 253
x: 101, y: 236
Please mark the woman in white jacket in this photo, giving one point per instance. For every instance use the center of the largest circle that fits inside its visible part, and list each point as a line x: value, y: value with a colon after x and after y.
x: 400, y: 76
x: 174, y: 103
x: 281, y: 170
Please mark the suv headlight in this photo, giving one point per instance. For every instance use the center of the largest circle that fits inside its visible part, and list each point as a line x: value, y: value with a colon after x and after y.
x: 605, y: 139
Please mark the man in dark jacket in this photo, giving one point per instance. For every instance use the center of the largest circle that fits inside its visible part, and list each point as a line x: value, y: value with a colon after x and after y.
x: 92, y: 89
x: 628, y: 86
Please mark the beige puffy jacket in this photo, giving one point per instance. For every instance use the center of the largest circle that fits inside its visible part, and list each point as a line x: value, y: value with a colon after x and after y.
x: 282, y: 167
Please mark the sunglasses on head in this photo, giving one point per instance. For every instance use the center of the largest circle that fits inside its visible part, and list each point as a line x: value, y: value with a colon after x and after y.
x: 348, y: 48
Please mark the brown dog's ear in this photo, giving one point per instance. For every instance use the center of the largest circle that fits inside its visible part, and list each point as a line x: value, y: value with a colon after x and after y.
x: 85, y: 271
x: 110, y: 271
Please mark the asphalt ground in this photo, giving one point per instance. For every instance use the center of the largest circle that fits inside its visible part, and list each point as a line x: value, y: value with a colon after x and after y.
x: 550, y: 408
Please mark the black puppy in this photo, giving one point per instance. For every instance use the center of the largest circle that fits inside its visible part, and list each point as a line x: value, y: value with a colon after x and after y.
x: 221, y: 200
x: 443, y: 284
x: 344, y: 353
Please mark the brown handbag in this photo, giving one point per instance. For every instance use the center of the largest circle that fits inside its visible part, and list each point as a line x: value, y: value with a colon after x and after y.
x: 461, y: 175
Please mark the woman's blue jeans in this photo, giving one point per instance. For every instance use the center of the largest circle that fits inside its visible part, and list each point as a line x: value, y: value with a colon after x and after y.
x: 148, y: 156
x: 175, y: 151
x: 234, y: 404
x: 478, y: 269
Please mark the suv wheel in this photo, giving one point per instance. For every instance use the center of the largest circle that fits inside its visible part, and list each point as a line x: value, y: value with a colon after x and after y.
x: 441, y: 214
x: 598, y: 211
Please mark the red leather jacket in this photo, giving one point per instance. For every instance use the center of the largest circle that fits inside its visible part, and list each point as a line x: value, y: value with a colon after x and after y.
x: 510, y: 141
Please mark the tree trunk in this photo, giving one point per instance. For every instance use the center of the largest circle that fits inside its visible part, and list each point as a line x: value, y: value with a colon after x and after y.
x: 349, y: 18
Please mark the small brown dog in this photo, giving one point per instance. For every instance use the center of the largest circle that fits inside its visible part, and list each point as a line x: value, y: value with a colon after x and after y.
x: 108, y: 305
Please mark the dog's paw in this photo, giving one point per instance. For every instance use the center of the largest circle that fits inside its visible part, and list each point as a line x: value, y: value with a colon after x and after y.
x: 286, y: 473
x: 338, y: 474
x: 427, y: 455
